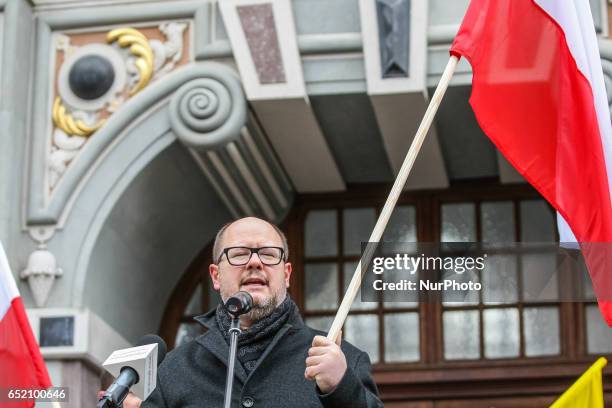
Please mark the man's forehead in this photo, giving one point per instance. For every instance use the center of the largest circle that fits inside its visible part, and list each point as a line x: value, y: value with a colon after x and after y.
x: 251, y: 229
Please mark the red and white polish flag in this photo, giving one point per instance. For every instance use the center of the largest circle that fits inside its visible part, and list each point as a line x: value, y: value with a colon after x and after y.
x: 538, y: 93
x: 21, y: 364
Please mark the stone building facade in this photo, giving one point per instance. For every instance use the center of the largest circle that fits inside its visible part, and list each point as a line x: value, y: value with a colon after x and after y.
x: 132, y: 130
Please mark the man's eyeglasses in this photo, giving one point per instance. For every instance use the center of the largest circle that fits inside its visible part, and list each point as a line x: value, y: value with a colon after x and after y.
x: 239, y: 256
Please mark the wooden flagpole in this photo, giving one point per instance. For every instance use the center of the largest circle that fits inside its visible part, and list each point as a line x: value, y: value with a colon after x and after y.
x: 398, y: 186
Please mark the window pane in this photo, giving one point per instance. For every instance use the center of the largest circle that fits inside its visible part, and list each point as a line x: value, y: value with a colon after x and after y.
x: 501, y: 333
x: 497, y: 222
x: 599, y: 335
x: 321, y: 237
x: 461, y: 339
x: 321, y: 286
x: 540, y: 279
x: 400, y: 237
x: 451, y: 297
x: 499, y: 280
x: 397, y: 298
x: 401, y: 228
x: 588, y: 292
x: 320, y: 323
x: 186, y: 333
x: 458, y: 223
x: 402, y: 337
x: 362, y: 331
x: 358, y: 224
x: 349, y: 271
x: 537, y: 222
x: 541, y: 331
x: 195, y: 303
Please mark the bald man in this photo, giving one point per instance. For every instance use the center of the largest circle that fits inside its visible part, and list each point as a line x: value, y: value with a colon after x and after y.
x: 281, y: 361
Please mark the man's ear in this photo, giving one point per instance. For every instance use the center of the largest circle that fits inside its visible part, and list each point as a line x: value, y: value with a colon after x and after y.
x: 288, y: 270
x: 213, y: 270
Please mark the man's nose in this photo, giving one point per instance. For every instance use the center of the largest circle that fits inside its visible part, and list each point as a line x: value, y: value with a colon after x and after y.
x: 254, y: 262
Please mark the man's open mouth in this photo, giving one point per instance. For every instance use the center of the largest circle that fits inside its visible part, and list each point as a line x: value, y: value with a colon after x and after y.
x: 254, y: 282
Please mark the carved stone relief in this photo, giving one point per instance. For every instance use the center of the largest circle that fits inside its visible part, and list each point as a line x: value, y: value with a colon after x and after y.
x: 96, y: 73
x: 394, y: 37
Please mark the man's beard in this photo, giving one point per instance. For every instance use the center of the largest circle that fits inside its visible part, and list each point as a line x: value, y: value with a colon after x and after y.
x: 262, y: 309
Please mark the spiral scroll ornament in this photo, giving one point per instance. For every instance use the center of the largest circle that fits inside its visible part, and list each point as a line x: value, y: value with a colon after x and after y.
x: 139, y: 47
x: 208, y: 112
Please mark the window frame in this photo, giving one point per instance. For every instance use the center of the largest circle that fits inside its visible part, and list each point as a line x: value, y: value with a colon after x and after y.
x: 428, y: 204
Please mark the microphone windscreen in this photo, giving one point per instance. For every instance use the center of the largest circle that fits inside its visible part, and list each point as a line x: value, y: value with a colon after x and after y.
x: 161, y: 345
x: 240, y: 303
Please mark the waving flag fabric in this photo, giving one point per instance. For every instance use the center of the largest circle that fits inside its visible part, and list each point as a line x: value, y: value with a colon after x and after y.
x: 587, y: 391
x: 21, y: 364
x: 538, y: 93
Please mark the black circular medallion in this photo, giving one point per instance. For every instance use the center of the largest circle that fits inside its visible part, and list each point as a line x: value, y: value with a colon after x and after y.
x: 91, y: 77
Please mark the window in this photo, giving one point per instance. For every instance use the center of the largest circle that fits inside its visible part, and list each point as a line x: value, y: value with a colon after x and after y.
x: 530, y: 325
x: 332, y: 247
x: 512, y: 317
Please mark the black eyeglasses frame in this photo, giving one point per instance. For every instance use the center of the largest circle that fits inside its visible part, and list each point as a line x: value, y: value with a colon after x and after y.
x: 253, y: 251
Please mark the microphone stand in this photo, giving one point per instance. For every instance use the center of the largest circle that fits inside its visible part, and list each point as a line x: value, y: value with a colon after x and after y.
x: 234, y: 331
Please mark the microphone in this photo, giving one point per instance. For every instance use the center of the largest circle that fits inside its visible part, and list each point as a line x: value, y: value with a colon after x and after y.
x: 135, y: 365
x: 238, y: 304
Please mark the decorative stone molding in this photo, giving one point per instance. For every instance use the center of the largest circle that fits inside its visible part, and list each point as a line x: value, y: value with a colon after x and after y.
x: 394, y: 65
x: 395, y: 47
x: 394, y: 37
x: 201, y: 104
x: 222, y: 118
x: 41, y: 272
x: 141, y: 54
x: 64, y: 149
x: 96, y: 79
x: 247, y: 175
x: 264, y: 43
x: 168, y: 54
x: 208, y: 112
x: 57, y: 172
x: 265, y: 47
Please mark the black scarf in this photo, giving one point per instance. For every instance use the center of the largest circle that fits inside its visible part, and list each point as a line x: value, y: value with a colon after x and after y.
x: 253, y: 341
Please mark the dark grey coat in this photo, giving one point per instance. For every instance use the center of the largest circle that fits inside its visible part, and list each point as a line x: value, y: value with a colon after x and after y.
x: 193, y: 375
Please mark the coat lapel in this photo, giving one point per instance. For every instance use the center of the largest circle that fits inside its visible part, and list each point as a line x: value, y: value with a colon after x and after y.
x: 214, y: 342
x: 271, y: 346
x: 295, y: 323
